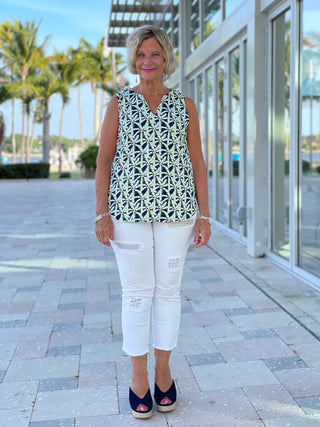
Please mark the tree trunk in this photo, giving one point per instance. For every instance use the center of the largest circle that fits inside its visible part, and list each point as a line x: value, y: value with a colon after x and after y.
x: 13, y: 136
x: 28, y: 151
x: 46, y: 133
x: 32, y: 134
x: 22, y: 132
x: 96, y: 114
x: 60, y: 139
x: 80, y: 118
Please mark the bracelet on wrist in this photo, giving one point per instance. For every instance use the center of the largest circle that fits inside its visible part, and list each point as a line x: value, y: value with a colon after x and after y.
x: 206, y: 218
x: 101, y: 216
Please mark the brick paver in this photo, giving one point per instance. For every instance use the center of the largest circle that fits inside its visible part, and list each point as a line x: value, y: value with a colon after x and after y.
x: 244, y: 359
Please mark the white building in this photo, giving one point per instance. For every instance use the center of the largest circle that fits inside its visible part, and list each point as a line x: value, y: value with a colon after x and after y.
x: 253, y: 69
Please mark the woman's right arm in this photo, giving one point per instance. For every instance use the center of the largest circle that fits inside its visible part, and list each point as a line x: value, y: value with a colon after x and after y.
x: 107, y: 148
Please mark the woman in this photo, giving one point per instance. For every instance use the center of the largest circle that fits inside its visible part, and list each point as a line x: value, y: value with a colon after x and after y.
x: 152, y: 197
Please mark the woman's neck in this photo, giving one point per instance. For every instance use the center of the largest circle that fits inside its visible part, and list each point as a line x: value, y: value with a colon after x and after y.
x: 151, y: 88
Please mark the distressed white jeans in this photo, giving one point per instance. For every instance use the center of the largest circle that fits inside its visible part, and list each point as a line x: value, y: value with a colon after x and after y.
x: 150, y: 258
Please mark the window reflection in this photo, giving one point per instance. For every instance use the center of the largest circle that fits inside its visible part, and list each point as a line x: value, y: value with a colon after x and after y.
x: 235, y: 136
x: 194, y: 25
x: 201, y: 112
x: 212, y: 16
x: 166, y: 23
x: 175, y: 28
x: 220, y: 127
x: 280, y: 149
x: 210, y: 138
x: 310, y: 138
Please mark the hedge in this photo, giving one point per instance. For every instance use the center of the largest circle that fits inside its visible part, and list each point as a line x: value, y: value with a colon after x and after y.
x: 24, y: 171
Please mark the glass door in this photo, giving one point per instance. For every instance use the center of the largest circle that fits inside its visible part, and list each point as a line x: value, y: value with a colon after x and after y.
x: 220, y: 139
x: 309, y: 142
x: 234, y: 138
x: 280, y: 134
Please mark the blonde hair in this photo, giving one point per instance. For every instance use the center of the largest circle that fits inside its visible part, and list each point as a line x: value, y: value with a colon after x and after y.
x: 147, y: 32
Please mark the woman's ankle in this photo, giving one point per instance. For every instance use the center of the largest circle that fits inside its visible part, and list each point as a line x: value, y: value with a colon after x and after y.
x: 139, y: 386
x: 163, y: 379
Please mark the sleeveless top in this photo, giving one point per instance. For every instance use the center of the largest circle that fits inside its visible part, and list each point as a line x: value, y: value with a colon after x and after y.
x: 151, y: 175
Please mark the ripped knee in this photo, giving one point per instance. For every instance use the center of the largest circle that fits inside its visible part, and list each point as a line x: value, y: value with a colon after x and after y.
x: 133, y: 302
x: 174, y: 263
x: 128, y: 246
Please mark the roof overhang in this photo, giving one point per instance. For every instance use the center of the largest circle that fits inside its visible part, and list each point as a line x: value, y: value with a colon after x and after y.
x: 127, y: 15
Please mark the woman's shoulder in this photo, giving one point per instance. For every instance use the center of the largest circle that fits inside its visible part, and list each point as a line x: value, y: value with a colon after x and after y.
x: 178, y: 94
x: 123, y: 92
x: 191, y: 106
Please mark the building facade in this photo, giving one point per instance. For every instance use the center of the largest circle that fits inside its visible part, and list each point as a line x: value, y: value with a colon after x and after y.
x: 253, y: 70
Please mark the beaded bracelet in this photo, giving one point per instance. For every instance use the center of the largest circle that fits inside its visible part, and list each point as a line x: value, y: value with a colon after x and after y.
x: 206, y: 218
x: 101, y: 216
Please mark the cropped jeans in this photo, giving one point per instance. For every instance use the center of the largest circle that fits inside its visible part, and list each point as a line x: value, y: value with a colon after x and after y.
x: 150, y: 258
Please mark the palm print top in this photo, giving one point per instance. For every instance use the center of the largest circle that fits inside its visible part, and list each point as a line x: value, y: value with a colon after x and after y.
x: 151, y: 176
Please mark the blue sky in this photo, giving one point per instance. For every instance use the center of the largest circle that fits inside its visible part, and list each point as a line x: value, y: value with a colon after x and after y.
x: 66, y: 21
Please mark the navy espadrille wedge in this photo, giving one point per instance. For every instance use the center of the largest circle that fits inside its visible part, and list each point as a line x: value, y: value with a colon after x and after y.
x: 170, y: 394
x: 135, y: 401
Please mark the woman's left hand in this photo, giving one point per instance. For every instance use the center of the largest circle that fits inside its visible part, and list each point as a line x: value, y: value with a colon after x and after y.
x: 202, y: 232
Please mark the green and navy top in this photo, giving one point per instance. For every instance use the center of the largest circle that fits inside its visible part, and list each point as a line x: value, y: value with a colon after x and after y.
x: 151, y: 176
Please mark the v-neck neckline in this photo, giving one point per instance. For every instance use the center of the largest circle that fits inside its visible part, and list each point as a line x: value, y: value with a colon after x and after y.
x: 146, y: 103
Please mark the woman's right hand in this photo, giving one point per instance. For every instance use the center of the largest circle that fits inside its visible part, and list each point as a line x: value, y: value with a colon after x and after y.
x: 104, y: 230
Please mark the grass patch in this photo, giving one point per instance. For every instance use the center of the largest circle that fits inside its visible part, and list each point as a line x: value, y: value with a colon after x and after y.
x: 55, y: 175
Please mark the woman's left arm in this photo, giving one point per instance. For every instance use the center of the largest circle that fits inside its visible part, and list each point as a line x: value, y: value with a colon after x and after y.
x: 202, y: 227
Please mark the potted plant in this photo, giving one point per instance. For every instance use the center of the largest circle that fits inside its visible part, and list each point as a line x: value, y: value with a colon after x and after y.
x: 87, y: 161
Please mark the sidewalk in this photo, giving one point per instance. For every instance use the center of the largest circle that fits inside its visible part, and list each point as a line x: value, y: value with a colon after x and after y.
x: 244, y: 358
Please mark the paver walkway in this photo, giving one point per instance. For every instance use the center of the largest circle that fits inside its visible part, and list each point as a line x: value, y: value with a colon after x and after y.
x: 242, y: 359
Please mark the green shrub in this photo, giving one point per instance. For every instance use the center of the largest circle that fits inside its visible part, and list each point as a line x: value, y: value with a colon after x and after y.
x: 87, y: 159
x: 24, y: 171
x: 235, y: 167
x: 65, y: 175
x: 305, y: 167
x: 286, y: 167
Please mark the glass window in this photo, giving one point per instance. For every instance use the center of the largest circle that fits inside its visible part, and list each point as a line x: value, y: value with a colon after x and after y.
x: 231, y: 5
x: 210, y: 138
x: 202, y: 112
x: 175, y: 28
x: 166, y: 24
x: 211, y: 16
x: 280, y: 133
x: 234, y: 112
x: 194, y: 25
x: 220, y: 139
x: 309, y: 254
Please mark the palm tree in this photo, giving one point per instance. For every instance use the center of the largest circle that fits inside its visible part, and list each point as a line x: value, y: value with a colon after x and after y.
x: 68, y: 72
x: 4, y: 80
x: 77, y: 56
x: 21, y: 55
x: 98, y: 70
x: 36, y: 119
x: 92, y: 63
x: 48, y: 84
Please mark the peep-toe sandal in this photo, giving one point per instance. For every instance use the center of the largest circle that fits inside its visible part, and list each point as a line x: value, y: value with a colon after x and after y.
x: 170, y: 394
x: 135, y: 401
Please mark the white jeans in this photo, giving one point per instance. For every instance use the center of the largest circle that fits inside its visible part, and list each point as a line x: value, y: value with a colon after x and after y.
x: 150, y: 258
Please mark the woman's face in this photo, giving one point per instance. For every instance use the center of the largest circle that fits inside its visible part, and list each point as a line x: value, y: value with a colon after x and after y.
x: 150, y: 60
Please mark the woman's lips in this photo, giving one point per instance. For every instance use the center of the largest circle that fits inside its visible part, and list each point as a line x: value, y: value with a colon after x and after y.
x: 148, y: 70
